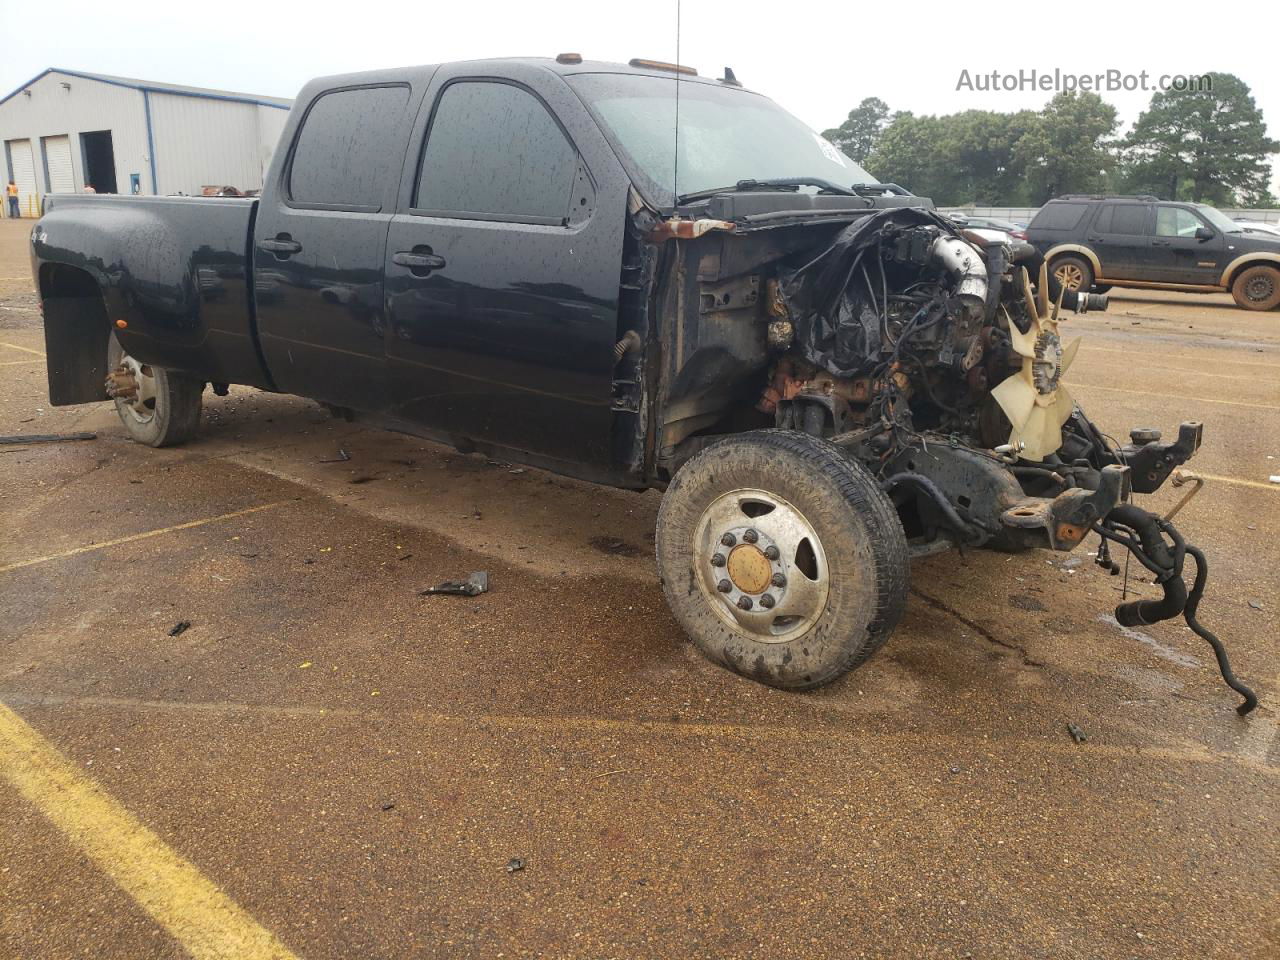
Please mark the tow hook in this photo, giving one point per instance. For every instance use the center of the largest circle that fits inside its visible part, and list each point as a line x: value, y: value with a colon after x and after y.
x: 121, y: 384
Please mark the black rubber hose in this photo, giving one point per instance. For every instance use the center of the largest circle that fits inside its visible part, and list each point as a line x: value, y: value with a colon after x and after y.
x: 1219, y: 651
x: 1142, y: 613
x: 1147, y: 525
x: 923, y: 483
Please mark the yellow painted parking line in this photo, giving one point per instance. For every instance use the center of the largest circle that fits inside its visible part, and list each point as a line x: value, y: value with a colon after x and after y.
x: 18, y: 564
x: 1256, y: 378
x: 1171, y: 396
x: 14, y: 346
x: 1138, y: 355
x: 640, y: 726
x: 1236, y: 481
x: 199, y: 915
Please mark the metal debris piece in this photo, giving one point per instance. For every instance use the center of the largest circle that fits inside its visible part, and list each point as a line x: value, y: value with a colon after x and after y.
x: 180, y: 627
x: 1255, y: 604
x: 48, y: 437
x: 473, y: 586
x: 514, y: 864
x: 342, y: 457
x: 386, y: 805
x: 1078, y: 735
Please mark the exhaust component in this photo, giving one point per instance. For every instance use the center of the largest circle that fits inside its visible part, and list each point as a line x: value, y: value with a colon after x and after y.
x: 965, y: 266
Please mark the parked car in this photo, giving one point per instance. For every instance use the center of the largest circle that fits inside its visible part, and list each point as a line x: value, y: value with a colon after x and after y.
x: 1258, y: 226
x: 822, y: 375
x: 1097, y: 242
x: 1016, y: 230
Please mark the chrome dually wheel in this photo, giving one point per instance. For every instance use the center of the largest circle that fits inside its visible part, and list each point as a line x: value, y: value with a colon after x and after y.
x: 781, y: 558
x: 761, y: 564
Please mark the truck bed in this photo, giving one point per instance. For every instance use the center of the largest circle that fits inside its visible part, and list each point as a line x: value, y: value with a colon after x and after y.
x: 175, y: 274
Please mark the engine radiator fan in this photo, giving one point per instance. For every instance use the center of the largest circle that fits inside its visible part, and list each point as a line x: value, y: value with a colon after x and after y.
x: 1033, y: 399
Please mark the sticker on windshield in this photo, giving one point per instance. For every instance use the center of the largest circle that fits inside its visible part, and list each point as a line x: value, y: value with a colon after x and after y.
x: 830, y: 151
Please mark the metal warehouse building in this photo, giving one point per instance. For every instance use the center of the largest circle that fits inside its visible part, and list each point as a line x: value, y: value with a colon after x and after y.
x: 65, y: 130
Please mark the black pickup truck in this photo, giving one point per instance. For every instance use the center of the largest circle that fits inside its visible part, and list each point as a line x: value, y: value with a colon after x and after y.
x: 527, y: 257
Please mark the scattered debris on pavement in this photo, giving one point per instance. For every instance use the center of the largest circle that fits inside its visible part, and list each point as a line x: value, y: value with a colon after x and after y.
x: 473, y: 586
x: 1078, y: 735
x: 180, y: 627
x: 514, y: 864
x: 65, y: 438
x: 342, y: 457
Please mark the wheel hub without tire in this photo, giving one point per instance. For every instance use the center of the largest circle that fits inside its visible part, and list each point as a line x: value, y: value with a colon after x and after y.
x: 133, y: 386
x: 761, y: 565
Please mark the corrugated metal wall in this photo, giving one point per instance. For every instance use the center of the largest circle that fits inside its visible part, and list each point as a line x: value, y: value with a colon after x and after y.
x: 198, y: 141
x: 81, y: 106
x: 202, y: 142
x: 270, y: 126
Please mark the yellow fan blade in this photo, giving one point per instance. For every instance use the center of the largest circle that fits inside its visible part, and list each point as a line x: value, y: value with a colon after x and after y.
x: 1062, y: 406
x: 1042, y: 291
x: 1024, y: 344
x: 1040, y: 436
x: 1017, y: 398
x: 1057, y: 305
x: 1028, y: 295
x: 1068, y: 355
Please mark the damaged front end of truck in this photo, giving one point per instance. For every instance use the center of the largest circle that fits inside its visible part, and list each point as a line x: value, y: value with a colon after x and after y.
x: 932, y: 357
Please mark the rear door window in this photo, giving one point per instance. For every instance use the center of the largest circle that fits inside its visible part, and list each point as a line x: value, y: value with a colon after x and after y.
x: 1128, y: 219
x: 1059, y: 216
x: 494, y: 152
x: 349, y: 148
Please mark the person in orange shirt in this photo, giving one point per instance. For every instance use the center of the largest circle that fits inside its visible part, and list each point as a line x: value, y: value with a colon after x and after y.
x: 11, y: 192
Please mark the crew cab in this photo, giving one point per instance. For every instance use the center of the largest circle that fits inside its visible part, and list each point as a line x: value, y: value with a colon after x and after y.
x: 532, y: 259
x: 1095, y: 242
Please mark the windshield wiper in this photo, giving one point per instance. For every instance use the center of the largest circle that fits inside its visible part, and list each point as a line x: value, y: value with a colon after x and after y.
x: 778, y: 183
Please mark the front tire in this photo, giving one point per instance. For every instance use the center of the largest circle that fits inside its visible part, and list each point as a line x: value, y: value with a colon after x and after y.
x: 781, y: 558
x: 157, y: 407
x: 1257, y: 288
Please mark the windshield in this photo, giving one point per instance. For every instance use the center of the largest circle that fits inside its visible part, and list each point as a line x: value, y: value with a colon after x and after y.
x: 726, y: 135
x: 1219, y: 219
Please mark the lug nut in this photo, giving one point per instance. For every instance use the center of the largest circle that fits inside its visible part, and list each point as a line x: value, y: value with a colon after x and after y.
x: 718, y: 560
x: 778, y: 580
x: 750, y: 536
x: 772, y: 552
x: 724, y: 586
x: 744, y: 603
x: 767, y: 601
x: 728, y: 539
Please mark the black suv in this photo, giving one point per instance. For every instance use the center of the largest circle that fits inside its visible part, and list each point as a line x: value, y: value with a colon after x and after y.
x: 1097, y: 242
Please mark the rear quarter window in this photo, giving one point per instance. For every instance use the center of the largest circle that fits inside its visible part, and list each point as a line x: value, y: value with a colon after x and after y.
x: 349, y: 148
x: 1059, y: 216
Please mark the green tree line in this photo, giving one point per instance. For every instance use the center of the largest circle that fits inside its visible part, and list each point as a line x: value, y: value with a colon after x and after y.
x: 1206, y: 145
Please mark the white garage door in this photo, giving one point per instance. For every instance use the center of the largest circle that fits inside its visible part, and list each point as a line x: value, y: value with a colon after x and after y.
x: 24, y: 173
x: 57, y: 154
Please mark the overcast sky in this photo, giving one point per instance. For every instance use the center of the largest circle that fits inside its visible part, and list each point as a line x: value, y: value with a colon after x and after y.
x: 816, y: 59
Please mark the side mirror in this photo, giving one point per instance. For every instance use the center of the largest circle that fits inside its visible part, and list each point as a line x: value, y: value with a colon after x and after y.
x: 1204, y: 233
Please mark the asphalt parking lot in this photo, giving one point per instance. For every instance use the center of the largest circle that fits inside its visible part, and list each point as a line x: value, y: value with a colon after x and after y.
x: 326, y: 764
